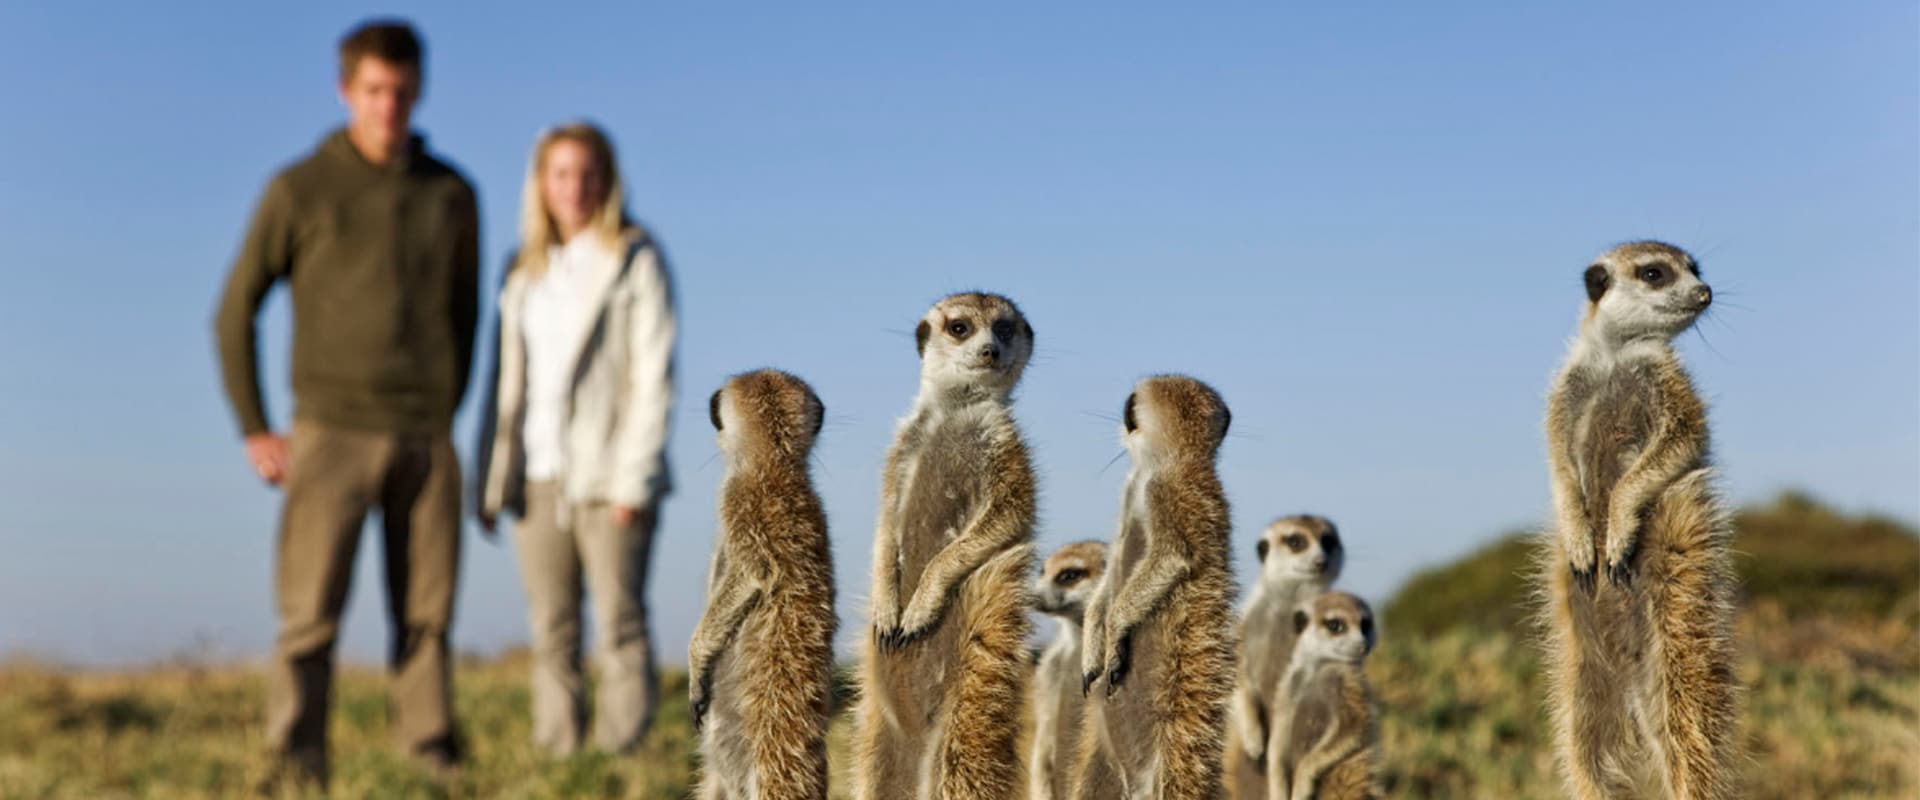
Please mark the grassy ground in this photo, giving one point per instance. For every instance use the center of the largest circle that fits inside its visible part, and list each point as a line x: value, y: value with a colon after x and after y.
x: 1830, y: 643
x: 1460, y: 716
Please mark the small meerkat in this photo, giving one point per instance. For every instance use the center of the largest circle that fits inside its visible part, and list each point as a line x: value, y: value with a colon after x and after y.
x: 1159, y: 630
x: 1639, y: 664
x: 946, y: 666
x: 761, y: 662
x: 1300, y: 556
x: 1067, y: 580
x: 1324, y: 743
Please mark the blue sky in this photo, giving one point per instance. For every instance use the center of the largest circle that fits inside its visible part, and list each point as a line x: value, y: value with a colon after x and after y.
x: 1365, y: 226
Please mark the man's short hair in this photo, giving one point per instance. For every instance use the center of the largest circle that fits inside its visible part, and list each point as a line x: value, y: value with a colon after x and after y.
x: 390, y: 40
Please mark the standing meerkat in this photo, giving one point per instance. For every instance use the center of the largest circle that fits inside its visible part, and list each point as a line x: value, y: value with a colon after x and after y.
x: 1067, y: 580
x: 1640, y: 664
x: 946, y: 663
x: 1325, y: 744
x: 1300, y: 556
x: 1160, y: 628
x: 761, y: 663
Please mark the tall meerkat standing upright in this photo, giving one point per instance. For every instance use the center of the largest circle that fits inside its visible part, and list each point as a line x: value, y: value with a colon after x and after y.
x: 1066, y: 582
x: 1160, y: 628
x: 946, y: 665
x: 1640, y: 664
x: 1300, y: 556
x: 1324, y: 743
x: 761, y: 662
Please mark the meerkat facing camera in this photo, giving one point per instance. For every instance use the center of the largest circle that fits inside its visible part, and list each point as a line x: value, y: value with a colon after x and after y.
x: 946, y: 666
x: 1299, y: 556
x: 1160, y: 628
x: 1067, y: 580
x: 1640, y: 665
x: 761, y: 661
x: 1325, y: 744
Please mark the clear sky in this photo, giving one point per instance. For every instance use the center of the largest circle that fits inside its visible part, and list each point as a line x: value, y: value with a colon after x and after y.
x: 1364, y: 225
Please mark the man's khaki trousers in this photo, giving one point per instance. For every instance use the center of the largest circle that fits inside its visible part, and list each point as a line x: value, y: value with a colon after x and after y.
x: 336, y: 477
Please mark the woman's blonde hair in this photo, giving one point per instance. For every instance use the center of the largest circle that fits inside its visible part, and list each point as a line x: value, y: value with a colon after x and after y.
x: 537, y: 232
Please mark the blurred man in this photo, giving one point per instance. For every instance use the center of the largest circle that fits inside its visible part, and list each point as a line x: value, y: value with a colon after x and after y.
x: 378, y: 243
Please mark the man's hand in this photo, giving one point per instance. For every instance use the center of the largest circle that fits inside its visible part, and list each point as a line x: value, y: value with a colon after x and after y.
x: 267, y: 452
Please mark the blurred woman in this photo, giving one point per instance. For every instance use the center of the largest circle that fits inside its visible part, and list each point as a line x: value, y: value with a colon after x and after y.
x: 574, y: 435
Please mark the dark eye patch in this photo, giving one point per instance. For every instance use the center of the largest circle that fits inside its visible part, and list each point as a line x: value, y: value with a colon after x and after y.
x: 1654, y: 275
x: 819, y: 416
x: 713, y: 408
x: 1126, y: 414
x: 1330, y: 543
x: 1069, y: 576
x: 1299, y: 621
x: 1366, y: 627
x: 1003, y: 330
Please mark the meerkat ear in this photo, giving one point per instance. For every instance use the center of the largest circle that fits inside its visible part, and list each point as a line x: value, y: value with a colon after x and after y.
x: 1126, y: 414
x: 819, y: 415
x: 1597, y: 281
x: 920, y: 335
x: 1028, y: 327
x: 1226, y: 421
x: 713, y: 408
x: 1260, y: 550
x: 1299, y: 621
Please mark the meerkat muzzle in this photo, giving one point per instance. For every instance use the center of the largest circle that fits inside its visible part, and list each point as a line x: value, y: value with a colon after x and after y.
x: 1703, y: 296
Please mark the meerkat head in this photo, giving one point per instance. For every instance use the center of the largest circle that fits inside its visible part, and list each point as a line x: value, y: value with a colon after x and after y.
x: 1068, y: 579
x: 1173, y: 417
x: 1304, y: 547
x: 1336, y: 626
x: 1645, y: 289
x: 766, y: 415
x: 973, y: 342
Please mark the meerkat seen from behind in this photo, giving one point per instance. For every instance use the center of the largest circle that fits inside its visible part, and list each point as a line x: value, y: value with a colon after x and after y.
x: 1299, y: 558
x: 1067, y: 580
x: 1324, y: 744
x: 1158, y: 648
x: 761, y: 661
x: 946, y: 665
x: 1637, y: 577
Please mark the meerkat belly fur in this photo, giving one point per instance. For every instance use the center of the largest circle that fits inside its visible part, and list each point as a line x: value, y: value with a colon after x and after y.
x: 1325, y: 743
x: 1158, y: 647
x: 946, y: 666
x: 1636, y: 573
x: 1067, y: 580
x: 761, y: 661
x: 1299, y: 557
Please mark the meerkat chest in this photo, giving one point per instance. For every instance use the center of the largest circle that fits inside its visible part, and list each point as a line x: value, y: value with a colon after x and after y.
x: 940, y: 484
x: 1616, y: 419
x: 1130, y: 546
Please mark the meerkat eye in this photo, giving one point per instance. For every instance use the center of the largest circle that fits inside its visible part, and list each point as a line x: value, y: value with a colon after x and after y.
x: 1655, y: 275
x: 1330, y: 542
x: 1260, y: 549
x: 959, y: 329
x: 1069, y: 576
x: 1295, y: 542
x: 1003, y: 330
x: 1336, y: 627
x: 1366, y: 627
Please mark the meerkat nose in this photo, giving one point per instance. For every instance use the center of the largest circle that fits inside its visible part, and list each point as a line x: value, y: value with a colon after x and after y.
x: 991, y: 351
x: 1320, y: 563
x: 1703, y: 295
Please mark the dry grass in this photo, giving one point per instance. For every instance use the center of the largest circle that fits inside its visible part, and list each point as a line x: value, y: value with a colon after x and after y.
x: 1830, y: 656
x: 1460, y: 718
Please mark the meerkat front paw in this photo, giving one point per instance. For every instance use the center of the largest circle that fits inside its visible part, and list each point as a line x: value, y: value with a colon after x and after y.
x: 1118, y: 659
x: 1622, y: 543
x: 1580, y: 556
x: 698, y: 700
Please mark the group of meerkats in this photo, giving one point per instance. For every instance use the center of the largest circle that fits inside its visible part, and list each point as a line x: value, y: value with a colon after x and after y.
x: 1154, y: 689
